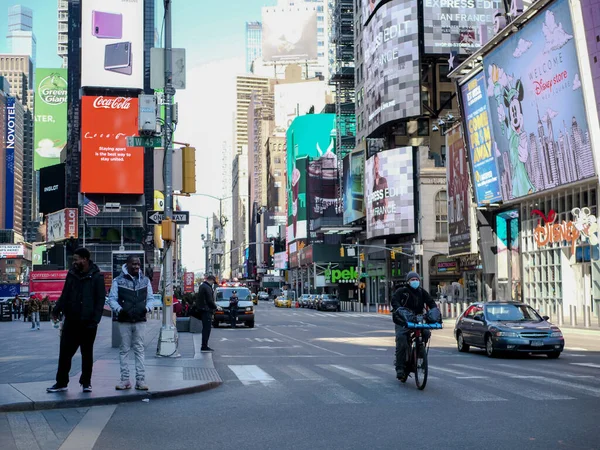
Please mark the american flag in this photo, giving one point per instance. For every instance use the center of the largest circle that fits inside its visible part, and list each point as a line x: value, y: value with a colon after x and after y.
x: 89, y: 207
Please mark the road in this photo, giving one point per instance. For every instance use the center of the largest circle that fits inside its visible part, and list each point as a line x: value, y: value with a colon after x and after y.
x: 303, y: 379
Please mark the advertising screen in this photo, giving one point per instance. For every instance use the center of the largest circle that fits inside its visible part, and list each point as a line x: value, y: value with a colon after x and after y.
x: 392, y: 67
x: 289, y: 34
x: 368, y: 6
x: 112, y: 43
x: 479, y: 136
x: 592, y: 31
x: 389, y: 193
x: 454, y: 24
x: 62, y: 225
x: 353, y: 189
x: 52, y: 188
x: 537, y: 109
x: 459, y: 235
x: 50, y: 129
x: 9, y: 164
x: 309, y: 137
x: 188, y: 282
x: 108, y: 166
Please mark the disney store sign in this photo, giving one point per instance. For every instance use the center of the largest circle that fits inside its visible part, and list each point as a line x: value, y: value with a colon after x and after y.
x: 584, y: 226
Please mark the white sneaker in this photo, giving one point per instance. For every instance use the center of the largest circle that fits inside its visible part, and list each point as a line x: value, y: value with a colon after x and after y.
x: 123, y: 385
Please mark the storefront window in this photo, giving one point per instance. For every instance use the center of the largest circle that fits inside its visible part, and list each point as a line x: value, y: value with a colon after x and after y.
x: 441, y: 216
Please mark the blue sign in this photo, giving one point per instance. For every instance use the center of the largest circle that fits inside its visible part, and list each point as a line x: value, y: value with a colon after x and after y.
x: 479, y: 137
x: 9, y: 198
x: 9, y: 290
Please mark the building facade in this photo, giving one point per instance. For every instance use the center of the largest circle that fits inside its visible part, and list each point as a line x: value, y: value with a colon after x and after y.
x: 20, y: 38
x: 240, y: 224
x: 63, y: 31
x: 253, y: 43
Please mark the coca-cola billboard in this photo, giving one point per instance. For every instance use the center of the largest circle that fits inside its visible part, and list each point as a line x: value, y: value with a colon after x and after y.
x: 112, y: 43
x: 108, y: 166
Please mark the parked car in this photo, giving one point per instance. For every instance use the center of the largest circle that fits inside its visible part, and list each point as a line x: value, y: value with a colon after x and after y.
x: 328, y: 302
x: 304, y: 300
x: 501, y: 326
x: 262, y: 295
x: 245, y: 313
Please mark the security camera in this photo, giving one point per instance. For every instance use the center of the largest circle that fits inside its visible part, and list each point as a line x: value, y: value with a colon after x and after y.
x: 441, y: 122
x: 434, y: 128
x: 449, y: 117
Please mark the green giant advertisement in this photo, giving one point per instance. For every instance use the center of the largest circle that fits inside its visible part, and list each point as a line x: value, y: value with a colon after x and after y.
x: 309, y: 137
x: 50, y: 108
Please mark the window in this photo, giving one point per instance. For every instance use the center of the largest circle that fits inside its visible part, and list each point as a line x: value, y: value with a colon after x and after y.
x: 445, y: 102
x: 277, y: 184
x: 277, y: 173
x: 423, y: 127
x: 425, y: 97
x: 277, y: 160
x: 444, y: 71
x: 441, y: 216
x: 320, y: 30
x: 321, y: 44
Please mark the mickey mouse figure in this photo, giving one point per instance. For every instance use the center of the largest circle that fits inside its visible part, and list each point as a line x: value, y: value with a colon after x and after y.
x: 517, y: 138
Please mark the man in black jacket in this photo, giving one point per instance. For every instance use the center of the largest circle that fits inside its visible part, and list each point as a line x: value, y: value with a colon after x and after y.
x: 204, y: 308
x: 415, y: 298
x: 81, y: 302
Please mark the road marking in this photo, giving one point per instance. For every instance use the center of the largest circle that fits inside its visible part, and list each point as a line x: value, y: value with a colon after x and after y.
x: 335, y: 394
x: 273, y: 348
x: 576, y: 349
x: 545, y: 371
x: 453, y: 372
x: 356, y: 374
x: 87, y: 432
x: 250, y: 374
x: 306, y: 343
x: 595, y: 366
x: 306, y: 374
x: 378, y: 349
x: 21, y: 432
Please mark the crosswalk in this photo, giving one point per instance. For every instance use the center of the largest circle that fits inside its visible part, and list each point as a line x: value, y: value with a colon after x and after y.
x: 372, y: 383
x: 337, y: 315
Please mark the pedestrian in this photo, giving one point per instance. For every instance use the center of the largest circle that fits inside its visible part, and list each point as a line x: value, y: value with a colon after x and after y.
x: 204, y: 308
x: 131, y: 298
x: 25, y: 310
x: 17, y: 308
x: 35, y: 305
x: 233, y: 308
x: 81, y: 302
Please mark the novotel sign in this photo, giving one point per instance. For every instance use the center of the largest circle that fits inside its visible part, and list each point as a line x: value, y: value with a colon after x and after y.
x: 9, y: 197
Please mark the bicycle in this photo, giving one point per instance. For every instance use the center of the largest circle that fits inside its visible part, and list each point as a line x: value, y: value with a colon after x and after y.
x: 417, y: 356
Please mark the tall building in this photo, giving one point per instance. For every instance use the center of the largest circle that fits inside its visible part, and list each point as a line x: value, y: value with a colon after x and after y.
x: 18, y: 71
x: 239, y: 175
x: 63, y: 31
x: 253, y: 43
x: 20, y: 37
x: 246, y: 85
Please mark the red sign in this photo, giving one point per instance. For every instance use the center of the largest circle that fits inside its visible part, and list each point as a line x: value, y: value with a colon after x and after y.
x: 108, y: 166
x: 47, y: 283
x: 188, y: 282
x: 48, y: 275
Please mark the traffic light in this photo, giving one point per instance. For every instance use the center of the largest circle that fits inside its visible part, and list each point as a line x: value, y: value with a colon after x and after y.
x: 362, y: 256
x: 392, y: 254
x: 189, y: 170
x: 342, y: 252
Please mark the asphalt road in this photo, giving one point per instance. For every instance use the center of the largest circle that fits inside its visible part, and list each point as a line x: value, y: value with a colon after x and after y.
x: 303, y: 379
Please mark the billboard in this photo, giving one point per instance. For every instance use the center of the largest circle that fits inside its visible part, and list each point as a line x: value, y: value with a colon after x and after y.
x: 486, y: 183
x: 392, y: 66
x: 592, y: 30
x: 11, y: 251
x: 289, y: 34
x: 310, y: 136
x: 459, y: 205
x: 52, y: 188
x: 188, y: 282
x: 354, y: 187
x: 368, y: 6
x: 112, y: 43
x: 296, y: 99
x: 455, y: 24
x: 62, y: 225
x: 537, y: 111
x: 50, y: 129
x: 108, y: 166
x: 9, y: 164
x: 390, y: 193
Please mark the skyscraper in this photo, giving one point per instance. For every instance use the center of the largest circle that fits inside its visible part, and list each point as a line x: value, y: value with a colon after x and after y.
x: 253, y: 43
x: 63, y: 31
x: 20, y: 37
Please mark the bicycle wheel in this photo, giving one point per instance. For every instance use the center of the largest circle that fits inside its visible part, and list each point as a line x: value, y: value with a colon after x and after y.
x: 420, y: 366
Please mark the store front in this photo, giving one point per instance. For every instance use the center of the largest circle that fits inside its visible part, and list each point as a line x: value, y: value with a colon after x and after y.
x: 444, y: 278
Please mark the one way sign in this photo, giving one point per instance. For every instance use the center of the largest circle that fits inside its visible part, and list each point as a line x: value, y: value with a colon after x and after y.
x: 156, y: 217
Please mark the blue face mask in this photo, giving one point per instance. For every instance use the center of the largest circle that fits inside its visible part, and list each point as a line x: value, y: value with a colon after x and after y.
x: 414, y: 284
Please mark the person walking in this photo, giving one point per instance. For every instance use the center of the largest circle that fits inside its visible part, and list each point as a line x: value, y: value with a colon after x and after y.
x: 204, y: 308
x: 131, y: 298
x: 81, y: 302
x: 35, y: 305
x: 233, y: 308
x: 17, y: 308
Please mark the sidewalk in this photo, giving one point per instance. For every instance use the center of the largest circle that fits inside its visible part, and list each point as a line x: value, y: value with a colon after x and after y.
x: 28, y: 362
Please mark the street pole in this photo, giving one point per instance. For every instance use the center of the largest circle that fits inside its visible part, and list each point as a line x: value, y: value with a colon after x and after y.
x: 167, y: 340
x: 359, y: 270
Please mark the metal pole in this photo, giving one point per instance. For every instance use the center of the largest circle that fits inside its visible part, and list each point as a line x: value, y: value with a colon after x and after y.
x: 206, y: 249
x: 414, y: 245
x: 359, y: 269
x: 167, y: 341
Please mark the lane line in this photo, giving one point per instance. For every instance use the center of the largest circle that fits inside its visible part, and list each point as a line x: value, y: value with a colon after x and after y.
x: 306, y: 374
x: 251, y: 374
x: 306, y: 343
x: 595, y: 366
x: 87, y: 432
x: 345, y: 370
x: 545, y: 371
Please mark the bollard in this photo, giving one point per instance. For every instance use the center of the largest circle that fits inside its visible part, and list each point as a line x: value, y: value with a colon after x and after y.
x: 587, y: 319
x: 453, y: 310
x: 560, y: 315
x: 573, y: 312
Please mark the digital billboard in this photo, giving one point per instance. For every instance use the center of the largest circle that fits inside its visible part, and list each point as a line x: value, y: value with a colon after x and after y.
x: 353, y: 189
x: 9, y: 163
x: 455, y: 24
x: 322, y: 190
x: 52, y: 188
x: 310, y: 136
x: 592, y: 31
x: 108, y: 166
x: 459, y: 204
x: 50, y: 129
x: 392, y: 66
x: 289, y: 34
x: 486, y: 183
x: 390, y: 193
x: 537, y: 111
x: 62, y: 225
x: 112, y: 43
x: 368, y: 6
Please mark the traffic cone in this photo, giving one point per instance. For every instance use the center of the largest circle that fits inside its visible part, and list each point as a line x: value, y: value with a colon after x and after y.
x: 387, y: 309
x: 378, y: 309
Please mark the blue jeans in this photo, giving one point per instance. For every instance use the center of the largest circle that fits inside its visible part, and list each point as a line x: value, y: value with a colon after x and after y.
x: 35, y: 319
x: 402, y: 334
x: 132, y: 337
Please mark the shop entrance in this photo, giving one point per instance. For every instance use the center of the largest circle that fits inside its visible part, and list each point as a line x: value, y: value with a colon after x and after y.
x: 583, y: 283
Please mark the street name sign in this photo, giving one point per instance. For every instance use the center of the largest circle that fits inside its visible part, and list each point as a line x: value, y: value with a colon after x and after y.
x: 144, y: 141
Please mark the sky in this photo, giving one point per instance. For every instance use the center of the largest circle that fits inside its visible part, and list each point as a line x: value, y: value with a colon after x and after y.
x: 214, y: 39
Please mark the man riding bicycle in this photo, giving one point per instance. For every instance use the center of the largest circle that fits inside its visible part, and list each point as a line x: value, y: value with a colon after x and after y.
x: 414, y: 298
